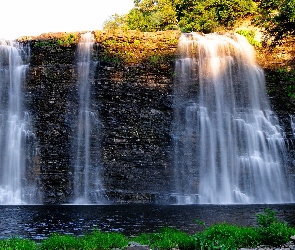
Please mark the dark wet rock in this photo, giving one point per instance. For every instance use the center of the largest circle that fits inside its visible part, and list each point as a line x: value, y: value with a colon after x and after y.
x: 136, y: 246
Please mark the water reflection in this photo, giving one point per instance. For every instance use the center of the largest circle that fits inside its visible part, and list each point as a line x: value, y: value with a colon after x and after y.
x: 38, y: 222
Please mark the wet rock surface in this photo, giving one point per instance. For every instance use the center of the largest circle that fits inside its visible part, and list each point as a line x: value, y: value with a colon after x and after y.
x: 132, y: 103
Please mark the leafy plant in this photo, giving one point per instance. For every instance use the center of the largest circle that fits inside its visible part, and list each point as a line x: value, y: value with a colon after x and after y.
x: 288, y: 77
x: 17, y: 244
x: 276, y: 18
x: 68, y: 40
x: 166, y: 238
x: 103, y: 240
x: 115, y: 22
x: 291, y: 91
x: 224, y: 236
x: 272, y: 231
x: 45, y: 43
x: 152, y: 15
x: 250, y: 35
x: 209, y: 16
x: 60, y: 242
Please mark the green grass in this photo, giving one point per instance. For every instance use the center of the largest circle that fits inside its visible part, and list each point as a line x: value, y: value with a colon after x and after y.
x: 224, y: 236
x: 102, y: 240
x: 269, y: 231
x: 95, y: 240
x: 166, y: 238
x: 17, y: 244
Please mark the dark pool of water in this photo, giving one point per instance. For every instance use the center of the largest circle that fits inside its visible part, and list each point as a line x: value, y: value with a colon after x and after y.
x: 38, y: 222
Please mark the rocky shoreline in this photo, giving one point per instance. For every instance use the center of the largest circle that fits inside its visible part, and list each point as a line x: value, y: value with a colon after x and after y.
x: 288, y: 246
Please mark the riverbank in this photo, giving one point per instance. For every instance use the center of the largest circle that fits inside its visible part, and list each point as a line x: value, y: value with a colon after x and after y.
x: 270, y: 231
x: 288, y: 246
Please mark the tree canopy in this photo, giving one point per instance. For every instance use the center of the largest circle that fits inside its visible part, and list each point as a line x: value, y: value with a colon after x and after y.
x: 207, y: 15
x: 276, y: 17
x: 152, y: 15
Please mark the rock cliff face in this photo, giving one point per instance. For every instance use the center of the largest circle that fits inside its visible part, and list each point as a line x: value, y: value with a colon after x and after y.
x: 132, y: 90
x: 131, y: 93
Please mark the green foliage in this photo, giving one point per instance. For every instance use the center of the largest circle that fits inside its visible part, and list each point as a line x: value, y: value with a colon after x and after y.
x: 207, y: 16
x: 68, y: 40
x: 17, y: 244
x: 166, y: 238
x: 291, y: 91
x: 198, y: 16
x: 250, y: 35
x: 158, y: 62
x: 276, y: 18
x: 272, y: 231
x: 45, y: 43
x: 102, y: 240
x: 188, y: 15
x: 267, y: 218
x: 61, y: 242
x: 283, y: 80
x: 95, y: 240
x: 152, y: 15
x: 115, y: 22
x: 224, y: 236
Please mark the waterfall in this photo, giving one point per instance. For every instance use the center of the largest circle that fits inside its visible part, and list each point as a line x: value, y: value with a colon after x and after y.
x: 87, y: 183
x: 229, y: 147
x: 16, y: 136
x: 292, y: 120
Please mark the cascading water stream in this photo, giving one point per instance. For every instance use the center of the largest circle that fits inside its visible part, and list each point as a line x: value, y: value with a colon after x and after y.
x: 15, y: 131
x: 292, y: 120
x: 87, y: 184
x: 229, y: 147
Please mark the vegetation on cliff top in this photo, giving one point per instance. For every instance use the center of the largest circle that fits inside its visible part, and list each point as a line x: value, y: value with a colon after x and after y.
x: 274, y: 17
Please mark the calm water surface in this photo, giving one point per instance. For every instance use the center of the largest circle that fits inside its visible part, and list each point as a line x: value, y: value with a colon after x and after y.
x: 39, y: 221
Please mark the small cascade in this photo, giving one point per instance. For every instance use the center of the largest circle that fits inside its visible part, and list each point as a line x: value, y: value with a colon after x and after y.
x: 229, y: 147
x: 17, y: 185
x: 87, y: 184
x: 292, y: 120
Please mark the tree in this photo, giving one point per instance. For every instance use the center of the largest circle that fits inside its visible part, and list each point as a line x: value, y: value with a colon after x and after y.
x: 152, y: 15
x: 207, y: 15
x: 277, y: 18
x: 115, y: 22
x: 196, y: 16
x: 188, y: 15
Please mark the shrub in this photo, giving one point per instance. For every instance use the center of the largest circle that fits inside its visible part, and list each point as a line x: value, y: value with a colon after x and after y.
x: 250, y: 35
x: 60, y: 242
x: 272, y: 231
x: 17, y: 244
x: 103, y: 240
x: 166, y: 238
x: 224, y: 236
x: 67, y: 40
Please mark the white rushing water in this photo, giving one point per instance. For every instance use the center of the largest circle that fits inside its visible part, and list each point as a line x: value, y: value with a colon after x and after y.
x: 229, y: 147
x: 14, y: 128
x: 87, y: 184
x: 292, y: 120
